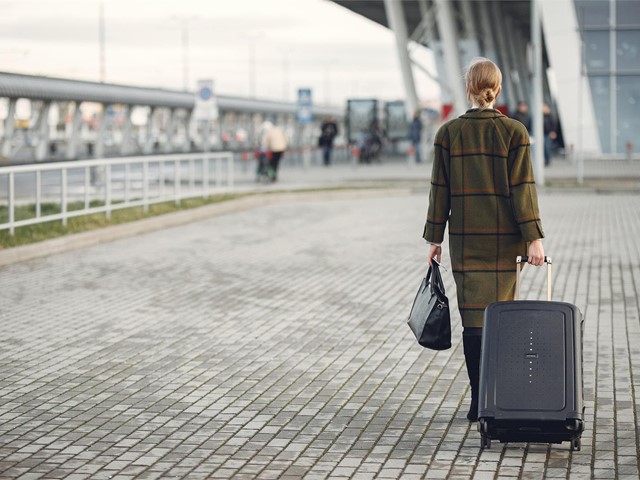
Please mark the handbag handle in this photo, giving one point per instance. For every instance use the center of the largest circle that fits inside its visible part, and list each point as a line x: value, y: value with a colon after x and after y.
x: 435, y: 281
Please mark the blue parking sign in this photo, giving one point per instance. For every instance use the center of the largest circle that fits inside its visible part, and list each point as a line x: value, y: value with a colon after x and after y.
x: 305, y: 105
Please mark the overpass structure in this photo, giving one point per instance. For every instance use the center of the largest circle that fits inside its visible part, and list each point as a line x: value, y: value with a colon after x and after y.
x: 57, y: 118
x: 590, y: 58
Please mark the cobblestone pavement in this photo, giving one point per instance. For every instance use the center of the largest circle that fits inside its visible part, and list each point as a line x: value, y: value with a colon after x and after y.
x: 272, y: 344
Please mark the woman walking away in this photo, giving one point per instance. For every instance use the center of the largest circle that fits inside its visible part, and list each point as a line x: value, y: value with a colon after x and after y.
x: 482, y: 184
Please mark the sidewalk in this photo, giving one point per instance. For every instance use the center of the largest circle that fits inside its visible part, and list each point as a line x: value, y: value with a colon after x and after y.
x: 606, y: 175
x: 271, y: 343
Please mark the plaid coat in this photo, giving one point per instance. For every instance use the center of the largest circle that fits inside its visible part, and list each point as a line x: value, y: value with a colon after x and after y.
x: 482, y: 185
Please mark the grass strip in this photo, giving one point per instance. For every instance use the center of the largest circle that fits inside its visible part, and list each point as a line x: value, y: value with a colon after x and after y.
x: 53, y: 229
x: 47, y: 230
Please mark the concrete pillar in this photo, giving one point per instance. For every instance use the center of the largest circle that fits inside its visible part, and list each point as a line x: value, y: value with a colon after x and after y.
x: 574, y: 98
x: 449, y: 36
x: 98, y: 151
x: 514, y: 72
x: 170, y: 131
x: 469, y: 44
x: 127, y: 133
x: 42, y: 150
x: 395, y: 16
x: 147, y: 148
x: 469, y: 20
x: 9, y: 128
x: 523, y: 66
x: 74, y: 137
x: 503, y: 52
x: 427, y: 34
x: 536, y: 101
x: 488, y: 40
x: 186, y: 144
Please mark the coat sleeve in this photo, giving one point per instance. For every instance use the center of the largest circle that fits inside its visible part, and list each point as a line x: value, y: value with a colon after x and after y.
x: 439, y: 199
x: 522, y: 185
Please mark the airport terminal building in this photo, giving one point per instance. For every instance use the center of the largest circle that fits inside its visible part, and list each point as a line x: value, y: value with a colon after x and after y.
x: 590, y: 58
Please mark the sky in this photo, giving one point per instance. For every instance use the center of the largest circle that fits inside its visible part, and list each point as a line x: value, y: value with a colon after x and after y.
x: 296, y: 43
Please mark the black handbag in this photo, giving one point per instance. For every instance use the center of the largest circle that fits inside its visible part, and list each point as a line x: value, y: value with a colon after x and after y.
x: 429, y: 319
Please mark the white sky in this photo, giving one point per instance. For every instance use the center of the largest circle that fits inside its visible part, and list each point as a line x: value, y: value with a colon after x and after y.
x: 326, y: 47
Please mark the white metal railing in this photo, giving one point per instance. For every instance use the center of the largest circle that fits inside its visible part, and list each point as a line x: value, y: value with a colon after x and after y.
x: 111, y: 184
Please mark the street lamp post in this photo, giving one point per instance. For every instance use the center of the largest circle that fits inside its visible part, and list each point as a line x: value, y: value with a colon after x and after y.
x: 252, y: 62
x: 184, y: 23
x: 102, y: 41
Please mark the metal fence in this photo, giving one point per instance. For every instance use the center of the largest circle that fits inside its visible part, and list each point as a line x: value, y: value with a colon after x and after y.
x: 72, y: 189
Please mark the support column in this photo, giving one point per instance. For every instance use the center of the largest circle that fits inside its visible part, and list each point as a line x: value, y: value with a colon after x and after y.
x: 98, y: 151
x: 9, y: 128
x: 42, y: 150
x: 395, y: 16
x: 470, y: 42
x: 536, y: 101
x: 490, y: 50
x: 512, y: 34
x: 502, y: 50
x: 523, y: 66
x: 147, y: 148
x: 448, y: 34
x: 186, y: 145
x: 74, y: 138
x: 168, y: 146
x: 127, y: 133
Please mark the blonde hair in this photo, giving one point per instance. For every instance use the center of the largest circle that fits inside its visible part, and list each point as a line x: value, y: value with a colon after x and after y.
x: 483, y: 79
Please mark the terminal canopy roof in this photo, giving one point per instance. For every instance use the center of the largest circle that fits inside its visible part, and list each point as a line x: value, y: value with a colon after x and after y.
x: 14, y: 85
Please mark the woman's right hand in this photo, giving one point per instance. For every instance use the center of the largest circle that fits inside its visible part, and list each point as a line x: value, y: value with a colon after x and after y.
x: 434, y: 251
x: 535, y: 252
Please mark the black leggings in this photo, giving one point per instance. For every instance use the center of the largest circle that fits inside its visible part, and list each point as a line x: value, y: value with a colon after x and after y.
x: 472, y: 332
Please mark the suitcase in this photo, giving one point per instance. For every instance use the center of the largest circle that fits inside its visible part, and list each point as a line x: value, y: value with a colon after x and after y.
x: 531, y: 371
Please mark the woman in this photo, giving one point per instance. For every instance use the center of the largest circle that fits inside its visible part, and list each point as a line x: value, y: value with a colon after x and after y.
x: 274, y: 141
x: 482, y: 184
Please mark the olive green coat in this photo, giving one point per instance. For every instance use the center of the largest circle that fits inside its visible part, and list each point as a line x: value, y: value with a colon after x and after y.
x: 482, y: 185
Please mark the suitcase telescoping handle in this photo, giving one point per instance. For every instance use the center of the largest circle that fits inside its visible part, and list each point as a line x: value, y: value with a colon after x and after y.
x: 524, y: 258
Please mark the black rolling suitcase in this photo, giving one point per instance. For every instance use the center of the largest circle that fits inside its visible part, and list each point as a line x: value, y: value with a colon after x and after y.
x: 531, y: 371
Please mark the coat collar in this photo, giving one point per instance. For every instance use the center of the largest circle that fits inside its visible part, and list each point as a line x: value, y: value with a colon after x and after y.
x: 477, y: 113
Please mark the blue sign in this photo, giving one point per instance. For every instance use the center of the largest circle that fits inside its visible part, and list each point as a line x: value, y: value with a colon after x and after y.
x: 205, y: 93
x: 305, y: 106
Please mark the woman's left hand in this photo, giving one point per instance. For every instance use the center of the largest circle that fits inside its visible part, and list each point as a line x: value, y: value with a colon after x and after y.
x: 434, y: 251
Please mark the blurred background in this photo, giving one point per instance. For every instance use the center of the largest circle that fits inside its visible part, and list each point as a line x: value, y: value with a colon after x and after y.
x: 83, y: 79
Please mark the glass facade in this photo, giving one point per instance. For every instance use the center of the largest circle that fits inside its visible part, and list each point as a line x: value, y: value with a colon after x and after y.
x: 628, y: 102
x: 628, y: 49
x: 601, y: 95
x: 611, y: 35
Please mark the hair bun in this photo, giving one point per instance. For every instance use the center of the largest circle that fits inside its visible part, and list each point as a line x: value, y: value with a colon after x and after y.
x: 489, y: 96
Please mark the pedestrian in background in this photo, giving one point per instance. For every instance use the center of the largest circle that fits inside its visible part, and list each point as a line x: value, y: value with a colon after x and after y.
x: 415, y: 134
x: 328, y: 133
x: 274, y: 144
x: 522, y: 115
x: 550, y: 133
x: 482, y: 185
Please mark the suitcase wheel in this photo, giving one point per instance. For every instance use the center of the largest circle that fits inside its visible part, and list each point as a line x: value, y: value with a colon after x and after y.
x: 576, y: 444
x: 575, y: 425
x: 482, y: 426
x: 485, y: 442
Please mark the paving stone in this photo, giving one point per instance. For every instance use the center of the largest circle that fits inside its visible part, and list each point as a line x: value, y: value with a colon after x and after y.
x: 271, y: 343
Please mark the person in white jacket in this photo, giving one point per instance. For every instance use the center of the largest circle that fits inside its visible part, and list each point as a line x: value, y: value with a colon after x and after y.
x: 274, y: 141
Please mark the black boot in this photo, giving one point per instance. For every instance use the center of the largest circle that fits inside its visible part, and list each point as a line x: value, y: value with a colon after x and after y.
x: 472, y: 345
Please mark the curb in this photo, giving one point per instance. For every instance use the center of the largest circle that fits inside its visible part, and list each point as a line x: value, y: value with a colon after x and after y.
x: 67, y: 243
